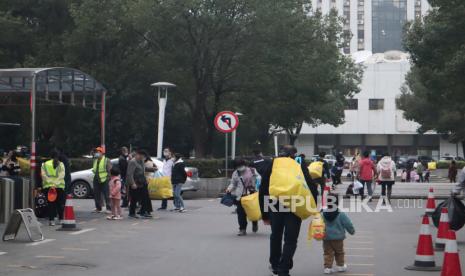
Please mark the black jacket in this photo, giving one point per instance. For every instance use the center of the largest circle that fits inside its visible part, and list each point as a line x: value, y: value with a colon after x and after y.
x: 178, y: 174
x: 123, y: 166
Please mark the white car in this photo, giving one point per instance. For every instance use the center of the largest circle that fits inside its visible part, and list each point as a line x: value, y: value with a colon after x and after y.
x: 82, y: 181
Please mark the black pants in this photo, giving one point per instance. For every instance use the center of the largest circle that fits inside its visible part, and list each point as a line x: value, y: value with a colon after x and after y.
x: 58, y: 206
x: 388, y: 185
x: 287, y: 224
x: 101, y: 193
x: 164, y: 203
x: 145, y: 200
x: 242, y: 216
x: 137, y: 195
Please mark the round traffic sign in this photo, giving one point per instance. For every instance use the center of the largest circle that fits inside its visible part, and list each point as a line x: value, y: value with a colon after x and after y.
x: 226, y: 121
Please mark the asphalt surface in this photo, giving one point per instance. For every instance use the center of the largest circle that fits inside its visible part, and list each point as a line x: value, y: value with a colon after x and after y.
x: 202, y: 242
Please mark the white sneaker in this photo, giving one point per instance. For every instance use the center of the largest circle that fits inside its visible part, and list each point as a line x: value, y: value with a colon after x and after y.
x: 328, y: 271
x: 341, y: 268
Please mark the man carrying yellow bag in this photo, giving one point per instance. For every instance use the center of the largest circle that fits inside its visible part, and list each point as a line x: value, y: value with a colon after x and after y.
x: 284, y: 184
x: 242, y: 187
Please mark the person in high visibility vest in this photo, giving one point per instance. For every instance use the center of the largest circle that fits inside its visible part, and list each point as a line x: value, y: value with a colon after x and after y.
x: 53, y: 179
x: 101, y: 169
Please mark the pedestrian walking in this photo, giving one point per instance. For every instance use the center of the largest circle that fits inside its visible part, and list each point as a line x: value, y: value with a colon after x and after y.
x: 427, y: 175
x: 115, y: 194
x: 354, y: 167
x: 420, y: 170
x: 337, y: 223
x: 452, y: 175
x: 168, y: 163
x: 339, y: 168
x: 242, y: 184
x: 404, y: 176
x: 101, y: 170
x: 283, y: 224
x: 53, y: 185
x: 11, y: 164
x: 135, y: 179
x: 123, y: 167
x: 178, y: 178
x: 386, y: 170
x: 367, y: 172
x: 326, y: 174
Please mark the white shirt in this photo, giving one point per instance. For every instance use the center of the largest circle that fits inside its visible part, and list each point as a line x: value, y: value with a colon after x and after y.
x: 168, y: 167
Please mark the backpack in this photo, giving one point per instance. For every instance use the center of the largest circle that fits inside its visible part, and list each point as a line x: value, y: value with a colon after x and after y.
x: 386, y: 172
x: 316, y: 169
x: 41, y: 208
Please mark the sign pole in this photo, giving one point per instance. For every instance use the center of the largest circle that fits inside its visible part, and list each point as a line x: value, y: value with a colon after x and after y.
x: 226, y: 155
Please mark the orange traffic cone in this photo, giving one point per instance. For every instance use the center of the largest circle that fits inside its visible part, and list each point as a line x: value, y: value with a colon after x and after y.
x: 69, y: 222
x: 324, y: 197
x: 424, y: 259
x: 430, y: 204
x: 443, y: 228
x: 451, y: 265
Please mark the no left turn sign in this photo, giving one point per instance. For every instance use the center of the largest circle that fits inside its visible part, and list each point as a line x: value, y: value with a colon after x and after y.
x: 226, y: 121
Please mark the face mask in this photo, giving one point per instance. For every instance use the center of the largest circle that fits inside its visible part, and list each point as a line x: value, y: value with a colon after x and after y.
x: 97, y: 155
x: 166, y: 154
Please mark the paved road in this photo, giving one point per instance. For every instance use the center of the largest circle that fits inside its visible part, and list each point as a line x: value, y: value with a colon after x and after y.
x: 203, y: 242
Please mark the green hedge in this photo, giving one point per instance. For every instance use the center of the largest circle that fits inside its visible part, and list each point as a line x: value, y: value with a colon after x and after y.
x: 209, y: 168
x: 445, y: 165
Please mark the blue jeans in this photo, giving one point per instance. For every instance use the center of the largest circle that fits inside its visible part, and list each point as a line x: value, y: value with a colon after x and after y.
x: 178, y: 201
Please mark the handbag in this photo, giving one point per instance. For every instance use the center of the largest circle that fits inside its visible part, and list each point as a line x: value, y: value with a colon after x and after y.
x: 228, y: 200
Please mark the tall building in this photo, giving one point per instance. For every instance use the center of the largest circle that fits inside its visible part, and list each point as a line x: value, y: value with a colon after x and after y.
x: 375, y: 25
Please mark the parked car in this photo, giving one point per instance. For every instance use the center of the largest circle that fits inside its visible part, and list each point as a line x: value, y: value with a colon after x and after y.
x: 82, y: 181
x: 449, y: 158
x: 331, y: 159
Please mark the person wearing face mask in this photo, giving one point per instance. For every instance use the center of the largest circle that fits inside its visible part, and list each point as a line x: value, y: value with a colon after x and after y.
x: 53, y: 177
x: 242, y: 183
x: 123, y: 167
x: 168, y: 163
x: 101, y: 170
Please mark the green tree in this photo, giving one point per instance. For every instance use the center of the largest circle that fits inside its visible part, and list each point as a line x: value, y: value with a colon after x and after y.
x: 434, y: 94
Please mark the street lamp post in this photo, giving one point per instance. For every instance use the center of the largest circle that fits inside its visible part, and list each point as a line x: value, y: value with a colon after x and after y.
x: 233, y: 140
x: 162, y: 100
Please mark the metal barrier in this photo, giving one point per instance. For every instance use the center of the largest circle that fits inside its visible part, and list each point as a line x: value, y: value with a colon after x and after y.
x: 7, y: 198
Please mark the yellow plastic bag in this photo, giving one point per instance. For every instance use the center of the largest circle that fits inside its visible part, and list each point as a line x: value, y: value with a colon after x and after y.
x: 251, y: 207
x: 316, y: 228
x: 432, y: 166
x: 160, y: 188
x: 287, y: 183
x: 316, y: 169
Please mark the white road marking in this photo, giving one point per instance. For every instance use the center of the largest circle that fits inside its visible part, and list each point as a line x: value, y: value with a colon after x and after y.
x: 40, y: 242
x: 2, y: 253
x: 82, y: 231
x: 50, y: 257
x: 74, y: 249
x: 135, y: 223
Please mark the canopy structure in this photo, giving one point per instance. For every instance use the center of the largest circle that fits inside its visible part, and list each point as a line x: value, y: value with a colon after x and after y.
x: 57, y: 85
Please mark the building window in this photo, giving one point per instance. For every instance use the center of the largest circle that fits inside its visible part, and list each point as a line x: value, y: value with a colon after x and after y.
x: 388, y: 20
x: 351, y: 104
x: 376, y: 104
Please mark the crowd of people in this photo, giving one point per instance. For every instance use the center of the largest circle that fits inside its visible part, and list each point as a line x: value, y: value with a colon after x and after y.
x: 115, y: 186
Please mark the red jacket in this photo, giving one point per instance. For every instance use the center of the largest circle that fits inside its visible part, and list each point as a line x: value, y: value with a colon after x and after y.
x: 367, y: 169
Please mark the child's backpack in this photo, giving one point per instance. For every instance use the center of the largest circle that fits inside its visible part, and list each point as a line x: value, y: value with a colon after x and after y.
x: 316, y: 169
x: 317, y: 228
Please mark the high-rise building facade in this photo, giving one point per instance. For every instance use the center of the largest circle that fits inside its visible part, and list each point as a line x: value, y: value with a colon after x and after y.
x: 375, y: 25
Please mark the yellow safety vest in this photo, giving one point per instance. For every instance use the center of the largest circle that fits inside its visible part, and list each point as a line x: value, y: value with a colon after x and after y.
x: 102, y: 169
x: 53, y: 176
